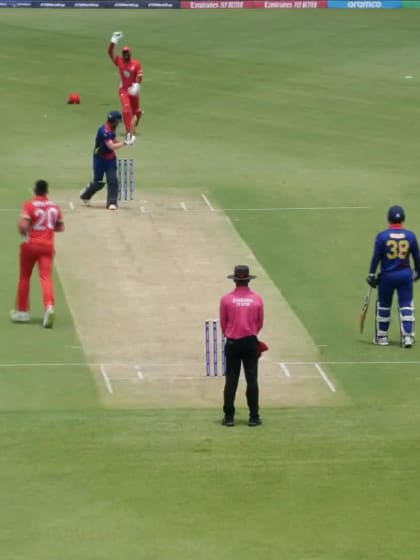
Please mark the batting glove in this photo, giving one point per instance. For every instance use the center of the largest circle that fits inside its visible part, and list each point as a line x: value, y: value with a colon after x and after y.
x: 134, y: 89
x: 372, y: 280
x: 116, y: 36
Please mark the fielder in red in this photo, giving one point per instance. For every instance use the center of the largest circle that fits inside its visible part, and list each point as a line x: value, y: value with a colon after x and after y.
x: 39, y: 221
x: 131, y: 74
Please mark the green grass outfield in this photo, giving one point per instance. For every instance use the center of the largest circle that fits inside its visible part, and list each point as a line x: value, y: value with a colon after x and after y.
x: 276, y: 109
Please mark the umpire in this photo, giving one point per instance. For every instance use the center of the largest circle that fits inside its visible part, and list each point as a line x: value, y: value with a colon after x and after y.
x: 241, y: 319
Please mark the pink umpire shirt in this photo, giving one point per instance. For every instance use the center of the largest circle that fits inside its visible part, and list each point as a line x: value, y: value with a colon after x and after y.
x: 241, y: 313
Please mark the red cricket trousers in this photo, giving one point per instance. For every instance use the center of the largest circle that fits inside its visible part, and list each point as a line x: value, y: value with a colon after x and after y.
x: 130, y: 107
x: 31, y: 254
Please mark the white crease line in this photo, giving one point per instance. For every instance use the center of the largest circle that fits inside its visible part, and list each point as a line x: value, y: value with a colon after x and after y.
x: 291, y: 208
x: 184, y: 206
x: 207, y: 202
x: 297, y: 377
x: 200, y: 378
x: 192, y: 378
x: 107, y: 381
x: 355, y: 363
x: 62, y: 364
x: 195, y: 378
x: 94, y: 364
x: 183, y: 364
x: 284, y: 369
x: 168, y: 380
x: 325, y: 377
x: 212, y: 209
x: 132, y: 379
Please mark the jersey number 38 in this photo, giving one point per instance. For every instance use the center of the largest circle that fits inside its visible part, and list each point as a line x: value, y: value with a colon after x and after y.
x: 398, y: 249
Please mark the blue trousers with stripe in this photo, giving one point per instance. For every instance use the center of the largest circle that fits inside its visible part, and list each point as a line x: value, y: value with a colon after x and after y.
x: 107, y: 167
x: 401, y: 282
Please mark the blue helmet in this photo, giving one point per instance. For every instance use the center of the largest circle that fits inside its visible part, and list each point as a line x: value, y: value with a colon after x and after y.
x: 396, y: 215
x: 114, y: 116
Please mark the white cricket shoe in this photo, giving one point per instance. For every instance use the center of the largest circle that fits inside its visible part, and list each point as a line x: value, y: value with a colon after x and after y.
x: 112, y: 207
x: 128, y: 137
x: 85, y: 201
x: 49, y: 318
x: 20, y: 316
x: 407, y: 341
x: 381, y: 340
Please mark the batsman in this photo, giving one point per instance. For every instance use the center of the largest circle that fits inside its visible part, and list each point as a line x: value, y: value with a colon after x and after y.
x: 131, y: 74
x: 105, y: 161
x: 392, y: 251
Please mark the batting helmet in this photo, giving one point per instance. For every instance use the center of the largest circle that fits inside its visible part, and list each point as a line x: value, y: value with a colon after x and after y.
x: 114, y: 116
x: 396, y: 215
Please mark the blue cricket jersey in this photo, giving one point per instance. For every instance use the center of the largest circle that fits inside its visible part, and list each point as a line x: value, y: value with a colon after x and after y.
x: 393, y: 248
x: 101, y: 149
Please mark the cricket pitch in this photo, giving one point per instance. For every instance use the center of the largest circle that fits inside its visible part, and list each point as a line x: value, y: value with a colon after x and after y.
x: 140, y: 283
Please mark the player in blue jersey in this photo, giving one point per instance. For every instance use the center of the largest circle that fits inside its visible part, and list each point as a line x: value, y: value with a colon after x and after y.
x: 105, y: 161
x: 393, y: 249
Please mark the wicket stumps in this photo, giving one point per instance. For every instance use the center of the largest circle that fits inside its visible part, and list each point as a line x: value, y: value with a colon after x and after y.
x: 213, y: 353
x: 125, y: 173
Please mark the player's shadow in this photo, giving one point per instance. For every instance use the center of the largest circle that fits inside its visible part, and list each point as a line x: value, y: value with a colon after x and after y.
x: 38, y: 321
x: 371, y: 343
x: 98, y: 206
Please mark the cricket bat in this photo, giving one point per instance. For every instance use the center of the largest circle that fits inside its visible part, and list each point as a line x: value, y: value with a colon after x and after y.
x: 365, y: 308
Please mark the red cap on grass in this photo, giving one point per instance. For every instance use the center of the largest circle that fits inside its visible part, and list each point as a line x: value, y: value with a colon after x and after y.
x: 73, y: 99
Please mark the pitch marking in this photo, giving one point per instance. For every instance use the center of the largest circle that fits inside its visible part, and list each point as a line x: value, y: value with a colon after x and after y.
x: 284, y: 369
x: 292, y: 208
x: 207, y: 202
x: 181, y: 364
x: 211, y: 208
x: 139, y: 373
x: 106, y: 379
x: 325, y: 377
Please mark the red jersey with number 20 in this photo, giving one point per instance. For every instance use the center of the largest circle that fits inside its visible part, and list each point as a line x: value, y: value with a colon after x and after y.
x: 43, y: 216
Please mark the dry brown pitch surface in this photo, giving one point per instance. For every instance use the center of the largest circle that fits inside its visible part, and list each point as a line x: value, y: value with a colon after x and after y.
x: 140, y: 283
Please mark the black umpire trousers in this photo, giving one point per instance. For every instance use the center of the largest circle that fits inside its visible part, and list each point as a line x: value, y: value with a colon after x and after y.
x: 241, y: 351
